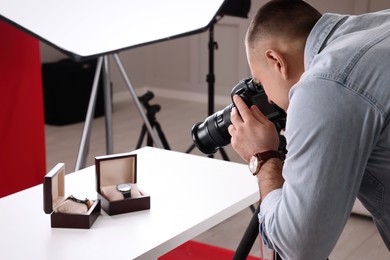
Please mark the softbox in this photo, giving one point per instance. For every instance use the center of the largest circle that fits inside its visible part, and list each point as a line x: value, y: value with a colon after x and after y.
x: 238, y: 8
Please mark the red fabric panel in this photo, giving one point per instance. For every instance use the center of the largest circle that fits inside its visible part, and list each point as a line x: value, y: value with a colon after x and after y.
x: 199, y: 251
x: 22, y: 144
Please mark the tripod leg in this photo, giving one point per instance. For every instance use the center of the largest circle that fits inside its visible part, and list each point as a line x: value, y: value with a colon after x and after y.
x: 149, y: 140
x: 190, y: 148
x: 277, y: 256
x: 137, y: 102
x: 224, y: 155
x: 249, y: 238
x: 107, y: 107
x: 84, y: 143
x: 141, y: 137
x: 161, y: 135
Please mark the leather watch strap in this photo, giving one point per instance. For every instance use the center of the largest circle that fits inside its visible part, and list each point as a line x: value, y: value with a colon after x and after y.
x: 262, y: 158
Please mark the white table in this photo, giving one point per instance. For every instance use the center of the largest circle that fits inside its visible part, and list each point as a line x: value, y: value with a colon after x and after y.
x: 189, y: 195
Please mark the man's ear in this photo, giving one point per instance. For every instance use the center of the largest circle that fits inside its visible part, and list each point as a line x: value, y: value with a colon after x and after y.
x: 276, y: 60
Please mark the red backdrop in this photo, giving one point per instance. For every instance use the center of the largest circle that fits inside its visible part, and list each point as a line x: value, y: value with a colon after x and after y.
x: 22, y: 144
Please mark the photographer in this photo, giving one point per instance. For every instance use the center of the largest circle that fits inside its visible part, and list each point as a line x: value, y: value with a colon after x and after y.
x: 331, y: 75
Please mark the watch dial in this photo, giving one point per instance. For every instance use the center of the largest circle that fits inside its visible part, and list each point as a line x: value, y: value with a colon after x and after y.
x: 253, y: 164
x: 123, y: 187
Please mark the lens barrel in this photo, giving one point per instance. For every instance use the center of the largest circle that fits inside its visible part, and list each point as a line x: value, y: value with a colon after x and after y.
x: 202, y: 140
x: 213, y: 133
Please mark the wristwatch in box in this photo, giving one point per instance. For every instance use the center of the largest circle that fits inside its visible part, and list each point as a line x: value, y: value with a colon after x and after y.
x: 125, y: 188
x: 54, y: 192
x: 115, y: 169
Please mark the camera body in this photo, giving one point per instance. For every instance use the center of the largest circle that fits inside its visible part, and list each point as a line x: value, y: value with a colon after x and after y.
x: 212, y: 134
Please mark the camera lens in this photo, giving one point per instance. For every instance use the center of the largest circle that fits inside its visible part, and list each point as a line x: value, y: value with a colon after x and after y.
x: 213, y: 134
x: 201, y: 139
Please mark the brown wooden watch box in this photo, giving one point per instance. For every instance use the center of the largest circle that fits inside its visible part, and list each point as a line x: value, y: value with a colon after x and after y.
x: 112, y: 170
x: 54, y: 200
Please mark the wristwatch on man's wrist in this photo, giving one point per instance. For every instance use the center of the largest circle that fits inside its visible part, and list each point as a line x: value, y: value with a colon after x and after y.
x: 259, y: 159
x: 125, y: 189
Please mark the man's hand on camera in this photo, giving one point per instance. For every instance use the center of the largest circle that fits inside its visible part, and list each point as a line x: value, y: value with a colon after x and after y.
x: 251, y: 131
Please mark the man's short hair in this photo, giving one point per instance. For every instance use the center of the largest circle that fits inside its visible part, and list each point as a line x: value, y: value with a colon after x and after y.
x: 290, y: 19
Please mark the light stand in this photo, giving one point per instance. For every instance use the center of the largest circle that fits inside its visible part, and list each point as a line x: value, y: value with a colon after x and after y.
x: 85, y: 137
x: 241, y: 9
x: 233, y: 8
x: 212, y: 46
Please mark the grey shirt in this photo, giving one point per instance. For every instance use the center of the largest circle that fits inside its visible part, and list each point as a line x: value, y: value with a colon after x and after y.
x: 338, y: 138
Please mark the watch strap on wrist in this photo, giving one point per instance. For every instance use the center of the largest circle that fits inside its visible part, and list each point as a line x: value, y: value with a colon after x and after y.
x: 264, y: 156
x: 268, y: 155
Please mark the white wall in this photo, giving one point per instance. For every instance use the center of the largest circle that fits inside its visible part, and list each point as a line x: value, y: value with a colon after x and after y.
x: 179, y: 67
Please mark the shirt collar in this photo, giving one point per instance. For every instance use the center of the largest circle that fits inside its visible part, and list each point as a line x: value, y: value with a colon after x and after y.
x: 319, y: 35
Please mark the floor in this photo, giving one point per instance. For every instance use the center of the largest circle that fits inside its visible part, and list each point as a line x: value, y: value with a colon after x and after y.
x: 359, y: 240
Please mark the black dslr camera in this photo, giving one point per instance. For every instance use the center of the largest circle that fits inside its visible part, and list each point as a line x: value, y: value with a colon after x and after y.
x: 213, y: 134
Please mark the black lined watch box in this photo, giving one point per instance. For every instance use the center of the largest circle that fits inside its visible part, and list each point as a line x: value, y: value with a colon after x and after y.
x: 54, y: 198
x: 114, y: 170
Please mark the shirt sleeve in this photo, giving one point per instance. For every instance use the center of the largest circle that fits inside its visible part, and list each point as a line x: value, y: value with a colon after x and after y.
x: 330, y: 132
x: 268, y: 205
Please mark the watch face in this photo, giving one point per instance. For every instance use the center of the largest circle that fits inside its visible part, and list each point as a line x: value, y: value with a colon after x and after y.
x: 253, y: 162
x: 123, y: 187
